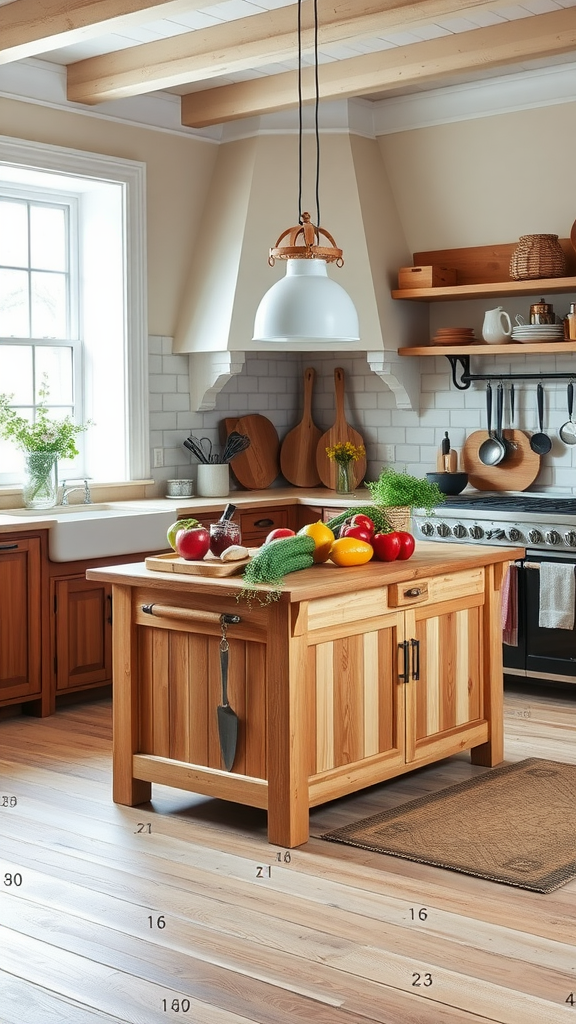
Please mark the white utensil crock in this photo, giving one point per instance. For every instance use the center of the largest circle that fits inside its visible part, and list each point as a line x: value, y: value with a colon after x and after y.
x: 213, y: 480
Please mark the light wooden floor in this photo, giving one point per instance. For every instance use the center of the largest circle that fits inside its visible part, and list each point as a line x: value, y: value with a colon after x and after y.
x: 182, y: 911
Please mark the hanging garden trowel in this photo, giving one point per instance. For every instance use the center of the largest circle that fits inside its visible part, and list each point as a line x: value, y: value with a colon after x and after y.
x: 227, y: 718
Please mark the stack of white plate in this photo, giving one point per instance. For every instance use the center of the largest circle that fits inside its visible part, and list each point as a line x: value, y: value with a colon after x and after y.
x: 527, y: 333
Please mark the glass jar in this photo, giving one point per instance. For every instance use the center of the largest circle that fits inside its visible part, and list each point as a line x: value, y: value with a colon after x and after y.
x: 223, y: 535
x: 40, y: 488
x: 344, y: 478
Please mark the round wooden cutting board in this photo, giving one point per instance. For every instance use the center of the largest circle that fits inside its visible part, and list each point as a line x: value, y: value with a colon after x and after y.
x: 515, y: 473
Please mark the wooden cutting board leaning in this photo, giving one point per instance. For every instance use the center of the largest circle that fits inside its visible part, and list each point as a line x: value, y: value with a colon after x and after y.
x: 298, y: 451
x: 516, y: 472
x: 259, y: 465
x: 341, y: 431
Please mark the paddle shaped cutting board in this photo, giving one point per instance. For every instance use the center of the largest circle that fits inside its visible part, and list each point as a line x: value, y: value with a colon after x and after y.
x: 515, y: 473
x: 298, y: 451
x: 259, y: 465
x: 341, y: 431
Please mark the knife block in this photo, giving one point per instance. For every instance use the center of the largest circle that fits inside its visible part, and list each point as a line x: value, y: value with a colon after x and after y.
x: 447, y: 463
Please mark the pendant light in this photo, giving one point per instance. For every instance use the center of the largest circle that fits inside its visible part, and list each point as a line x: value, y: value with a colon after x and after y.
x: 306, y: 306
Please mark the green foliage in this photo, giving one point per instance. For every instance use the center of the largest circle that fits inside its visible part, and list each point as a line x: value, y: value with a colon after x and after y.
x: 393, y: 489
x: 44, y: 435
x: 274, y: 561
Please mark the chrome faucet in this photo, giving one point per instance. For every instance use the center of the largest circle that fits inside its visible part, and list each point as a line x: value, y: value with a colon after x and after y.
x: 66, y: 490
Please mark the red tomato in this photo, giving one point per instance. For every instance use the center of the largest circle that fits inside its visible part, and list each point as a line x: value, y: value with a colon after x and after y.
x: 356, y: 530
x: 407, y: 544
x: 386, y: 546
x: 279, y: 533
x: 192, y: 544
x: 361, y: 520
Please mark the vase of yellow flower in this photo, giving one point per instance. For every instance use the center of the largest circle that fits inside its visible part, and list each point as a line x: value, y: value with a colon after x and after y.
x: 344, y: 454
x: 43, y: 442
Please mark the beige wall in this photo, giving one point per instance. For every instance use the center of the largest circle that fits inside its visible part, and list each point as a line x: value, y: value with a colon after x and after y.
x: 178, y: 171
x: 487, y: 180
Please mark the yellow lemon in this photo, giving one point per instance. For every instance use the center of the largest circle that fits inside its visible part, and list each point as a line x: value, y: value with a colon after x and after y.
x: 323, y: 538
x: 350, y: 551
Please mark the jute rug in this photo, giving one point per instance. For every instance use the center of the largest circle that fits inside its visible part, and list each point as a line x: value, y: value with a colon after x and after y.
x: 515, y: 825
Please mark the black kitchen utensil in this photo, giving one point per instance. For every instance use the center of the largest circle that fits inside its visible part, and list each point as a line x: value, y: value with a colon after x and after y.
x: 540, y: 442
x: 567, y: 431
x: 227, y: 718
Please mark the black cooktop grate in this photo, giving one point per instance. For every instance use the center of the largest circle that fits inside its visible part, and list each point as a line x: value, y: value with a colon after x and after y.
x: 511, y: 503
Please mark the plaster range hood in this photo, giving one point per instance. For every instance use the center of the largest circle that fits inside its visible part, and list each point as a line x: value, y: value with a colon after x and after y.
x: 252, y: 199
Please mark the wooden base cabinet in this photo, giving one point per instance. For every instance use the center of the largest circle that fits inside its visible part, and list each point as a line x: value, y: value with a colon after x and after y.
x: 352, y: 677
x: 20, y: 616
x: 82, y: 633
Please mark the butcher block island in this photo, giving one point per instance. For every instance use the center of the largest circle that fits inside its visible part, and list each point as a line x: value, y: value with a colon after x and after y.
x: 352, y: 676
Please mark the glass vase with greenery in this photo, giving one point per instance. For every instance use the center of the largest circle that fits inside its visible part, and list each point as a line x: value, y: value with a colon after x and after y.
x: 44, y: 441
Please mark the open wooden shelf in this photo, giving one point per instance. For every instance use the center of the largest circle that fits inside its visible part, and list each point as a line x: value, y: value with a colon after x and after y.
x: 484, y: 273
x: 513, y: 348
x: 492, y: 290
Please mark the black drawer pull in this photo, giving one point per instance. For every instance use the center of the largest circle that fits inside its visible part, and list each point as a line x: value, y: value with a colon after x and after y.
x: 264, y: 522
x: 413, y: 592
x: 8, y: 547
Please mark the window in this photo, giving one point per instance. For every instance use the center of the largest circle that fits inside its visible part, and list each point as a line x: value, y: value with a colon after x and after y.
x: 72, y: 302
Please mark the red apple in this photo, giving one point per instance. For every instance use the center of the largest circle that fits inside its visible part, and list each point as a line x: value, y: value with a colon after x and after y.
x: 364, y: 521
x: 357, y: 530
x: 193, y: 543
x: 386, y: 546
x: 279, y: 533
x: 407, y: 544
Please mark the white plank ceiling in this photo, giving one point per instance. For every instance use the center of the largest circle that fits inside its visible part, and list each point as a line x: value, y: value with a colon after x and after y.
x: 237, y: 58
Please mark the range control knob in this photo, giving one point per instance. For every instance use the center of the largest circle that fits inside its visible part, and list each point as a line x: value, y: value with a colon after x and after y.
x: 553, y: 537
x: 514, y: 534
x: 459, y: 530
x: 495, y: 535
x: 535, y: 536
x: 570, y: 538
x: 443, y: 530
x: 427, y: 529
x: 476, y: 532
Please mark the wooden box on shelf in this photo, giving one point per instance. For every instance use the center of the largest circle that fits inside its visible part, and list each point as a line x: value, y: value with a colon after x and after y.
x: 426, y: 277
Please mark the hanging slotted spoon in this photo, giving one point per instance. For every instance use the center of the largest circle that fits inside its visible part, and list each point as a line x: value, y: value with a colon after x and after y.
x: 567, y: 431
x: 540, y: 442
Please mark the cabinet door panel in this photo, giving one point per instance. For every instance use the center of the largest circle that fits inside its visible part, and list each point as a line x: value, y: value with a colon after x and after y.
x: 448, y: 692
x: 19, y: 618
x: 83, y: 633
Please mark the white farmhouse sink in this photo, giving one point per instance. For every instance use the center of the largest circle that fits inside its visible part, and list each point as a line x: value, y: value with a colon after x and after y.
x: 100, y: 530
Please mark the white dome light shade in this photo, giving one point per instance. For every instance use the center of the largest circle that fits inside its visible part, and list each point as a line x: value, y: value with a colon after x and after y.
x: 306, y: 306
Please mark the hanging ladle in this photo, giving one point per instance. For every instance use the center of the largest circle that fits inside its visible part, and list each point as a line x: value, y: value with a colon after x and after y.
x: 540, y: 442
x: 567, y: 431
x: 491, y: 451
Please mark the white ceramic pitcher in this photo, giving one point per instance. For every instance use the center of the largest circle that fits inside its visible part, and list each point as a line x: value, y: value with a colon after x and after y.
x: 496, y: 329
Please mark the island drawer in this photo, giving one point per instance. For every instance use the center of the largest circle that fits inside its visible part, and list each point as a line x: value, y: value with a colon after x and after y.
x: 447, y: 587
x: 256, y: 525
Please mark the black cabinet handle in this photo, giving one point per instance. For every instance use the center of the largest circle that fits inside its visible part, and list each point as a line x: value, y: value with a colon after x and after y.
x: 415, y: 649
x: 8, y: 547
x: 413, y: 592
x: 264, y: 522
x: 109, y: 602
x: 404, y: 677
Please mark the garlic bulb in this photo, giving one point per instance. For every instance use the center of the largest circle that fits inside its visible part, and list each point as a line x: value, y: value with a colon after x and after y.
x: 234, y: 553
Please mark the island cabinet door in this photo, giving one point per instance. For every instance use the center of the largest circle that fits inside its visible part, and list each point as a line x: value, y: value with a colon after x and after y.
x: 444, y: 685
x: 359, y: 705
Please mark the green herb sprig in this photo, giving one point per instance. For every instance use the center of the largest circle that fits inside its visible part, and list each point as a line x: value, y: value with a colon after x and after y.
x: 44, y: 434
x: 393, y: 489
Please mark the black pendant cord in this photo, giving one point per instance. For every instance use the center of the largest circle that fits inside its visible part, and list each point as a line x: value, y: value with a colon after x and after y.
x: 300, y: 111
x: 316, y: 113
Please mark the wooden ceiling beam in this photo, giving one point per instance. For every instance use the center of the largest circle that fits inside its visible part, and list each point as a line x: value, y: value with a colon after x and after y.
x: 30, y: 27
x: 245, y: 44
x: 500, y: 45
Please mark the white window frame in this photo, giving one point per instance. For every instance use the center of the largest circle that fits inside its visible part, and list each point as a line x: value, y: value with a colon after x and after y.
x: 131, y: 175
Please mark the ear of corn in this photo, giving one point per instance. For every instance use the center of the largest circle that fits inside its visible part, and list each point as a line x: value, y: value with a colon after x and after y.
x: 376, y: 514
x: 274, y: 561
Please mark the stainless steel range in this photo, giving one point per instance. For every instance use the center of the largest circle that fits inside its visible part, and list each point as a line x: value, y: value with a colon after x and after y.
x: 539, y: 522
x: 545, y: 525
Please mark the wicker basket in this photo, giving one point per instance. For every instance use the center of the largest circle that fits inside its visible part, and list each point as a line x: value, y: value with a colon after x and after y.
x: 398, y: 517
x: 537, y: 256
